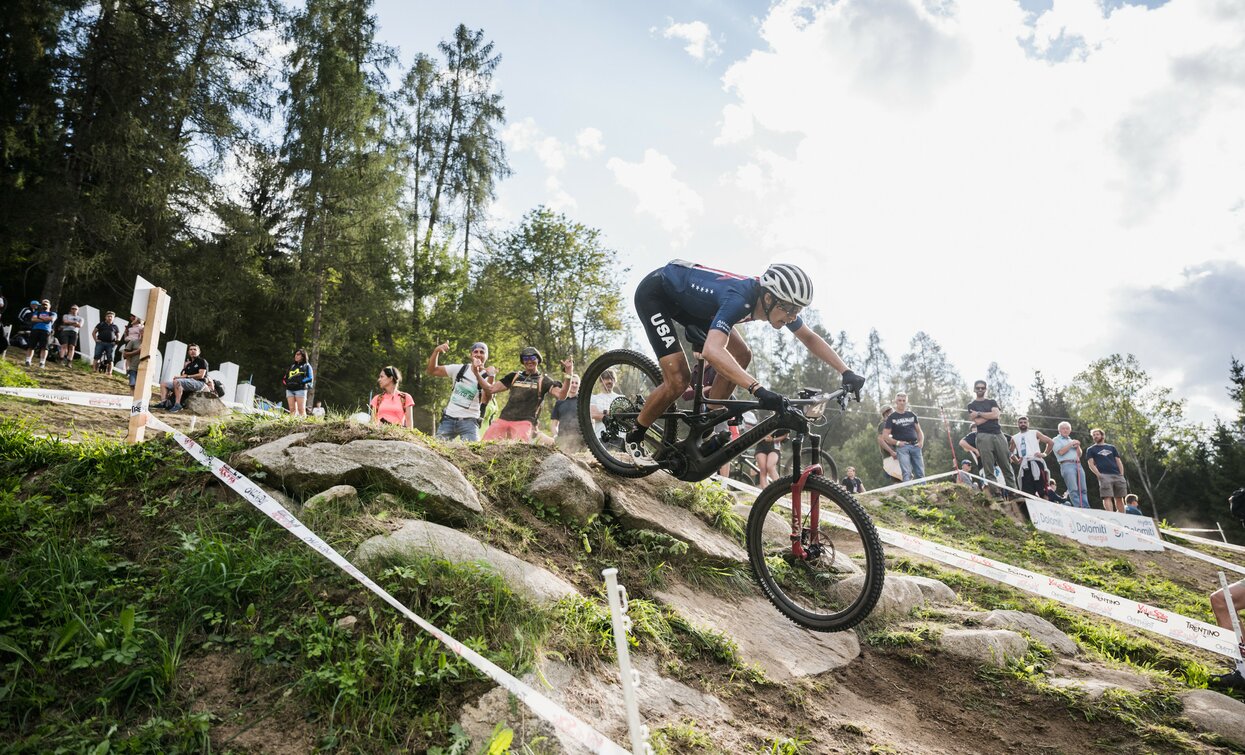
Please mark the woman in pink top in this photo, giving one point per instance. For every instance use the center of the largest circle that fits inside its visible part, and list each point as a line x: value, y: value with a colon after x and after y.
x: 392, y: 406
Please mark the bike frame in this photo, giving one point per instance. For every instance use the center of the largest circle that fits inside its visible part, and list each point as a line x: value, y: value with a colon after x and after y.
x: 695, y: 466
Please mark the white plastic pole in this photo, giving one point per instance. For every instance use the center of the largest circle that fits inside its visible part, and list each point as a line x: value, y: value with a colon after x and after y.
x: 1221, y: 535
x: 622, y: 623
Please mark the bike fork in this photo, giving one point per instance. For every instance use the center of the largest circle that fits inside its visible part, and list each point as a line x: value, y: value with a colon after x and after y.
x: 814, y: 505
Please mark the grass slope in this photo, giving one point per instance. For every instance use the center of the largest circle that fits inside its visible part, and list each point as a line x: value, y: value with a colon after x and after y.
x: 144, y: 607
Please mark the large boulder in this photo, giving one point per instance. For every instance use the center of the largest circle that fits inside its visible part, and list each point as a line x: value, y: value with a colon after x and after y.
x: 1038, y: 628
x: 565, y: 484
x: 1094, y: 678
x: 993, y: 646
x: 763, y: 635
x: 402, y: 467
x: 639, y: 507
x: 203, y: 405
x: 417, y: 538
x: 1216, y: 713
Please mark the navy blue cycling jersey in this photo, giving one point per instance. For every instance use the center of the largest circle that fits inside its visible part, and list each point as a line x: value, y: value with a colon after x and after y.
x: 713, y: 299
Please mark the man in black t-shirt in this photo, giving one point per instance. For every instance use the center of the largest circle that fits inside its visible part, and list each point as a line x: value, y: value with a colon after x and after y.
x: 991, y: 445
x: 853, y: 483
x: 192, y: 378
x: 902, y: 431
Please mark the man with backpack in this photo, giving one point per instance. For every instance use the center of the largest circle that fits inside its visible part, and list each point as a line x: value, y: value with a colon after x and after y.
x: 1234, y: 679
x: 468, y: 397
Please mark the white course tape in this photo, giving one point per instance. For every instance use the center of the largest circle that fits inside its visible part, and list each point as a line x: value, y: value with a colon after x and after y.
x: 78, y: 398
x: 561, y: 719
x: 1205, y: 541
x: 910, y: 483
x: 1141, y: 615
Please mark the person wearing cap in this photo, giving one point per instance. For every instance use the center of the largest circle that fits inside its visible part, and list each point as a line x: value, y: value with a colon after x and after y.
x: 465, y: 410
x: 67, y: 334
x: 964, y: 475
x: 528, y: 388
x: 40, y: 332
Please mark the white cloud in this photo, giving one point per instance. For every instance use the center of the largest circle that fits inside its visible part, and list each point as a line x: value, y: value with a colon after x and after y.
x: 670, y: 201
x: 980, y: 153
x: 736, y: 125
x: 558, y: 199
x: 526, y: 136
x: 700, y: 44
x: 589, y: 142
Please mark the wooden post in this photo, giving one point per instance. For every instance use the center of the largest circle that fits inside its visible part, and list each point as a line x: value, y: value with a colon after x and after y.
x: 142, y: 385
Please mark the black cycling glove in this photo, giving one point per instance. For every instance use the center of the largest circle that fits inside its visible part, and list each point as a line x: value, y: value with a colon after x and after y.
x: 775, y: 402
x: 853, y: 383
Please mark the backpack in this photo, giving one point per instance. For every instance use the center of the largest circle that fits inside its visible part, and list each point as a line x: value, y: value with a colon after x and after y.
x: 1236, y: 503
x: 485, y: 396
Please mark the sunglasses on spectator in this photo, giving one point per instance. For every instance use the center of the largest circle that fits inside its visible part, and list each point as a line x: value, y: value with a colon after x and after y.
x: 528, y: 359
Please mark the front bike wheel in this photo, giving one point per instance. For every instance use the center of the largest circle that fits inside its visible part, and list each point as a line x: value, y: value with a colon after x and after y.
x: 828, y: 468
x: 839, y: 581
x: 618, y: 383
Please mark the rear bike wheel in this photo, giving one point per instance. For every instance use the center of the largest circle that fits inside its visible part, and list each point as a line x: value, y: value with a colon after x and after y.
x: 828, y: 468
x: 634, y: 378
x: 837, y: 584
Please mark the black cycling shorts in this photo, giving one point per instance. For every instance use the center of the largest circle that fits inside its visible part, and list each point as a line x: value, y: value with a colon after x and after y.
x: 657, y: 315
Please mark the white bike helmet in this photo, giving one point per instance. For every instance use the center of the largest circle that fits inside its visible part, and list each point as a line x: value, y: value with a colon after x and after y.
x: 788, y: 283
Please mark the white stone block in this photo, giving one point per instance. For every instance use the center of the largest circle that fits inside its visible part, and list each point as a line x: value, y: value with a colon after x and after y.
x: 229, y: 377
x: 174, y: 358
x: 86, y: 341
x: 245, y: 395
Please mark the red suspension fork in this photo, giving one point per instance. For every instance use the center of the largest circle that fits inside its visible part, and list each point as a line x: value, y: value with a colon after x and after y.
x: 814, y: 512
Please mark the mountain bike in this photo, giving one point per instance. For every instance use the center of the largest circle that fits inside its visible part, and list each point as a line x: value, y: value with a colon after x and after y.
x: 817, y: 557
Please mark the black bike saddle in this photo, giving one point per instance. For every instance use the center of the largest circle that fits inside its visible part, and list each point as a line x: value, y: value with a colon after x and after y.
x: 696, y: 337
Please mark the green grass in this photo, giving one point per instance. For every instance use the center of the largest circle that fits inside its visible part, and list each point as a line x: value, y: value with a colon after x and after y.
x: 712, y: 503
x: 12, y: 376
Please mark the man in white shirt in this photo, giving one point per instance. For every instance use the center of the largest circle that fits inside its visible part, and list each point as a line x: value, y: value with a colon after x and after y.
x: 1031, y: 448
x: 461, y: 418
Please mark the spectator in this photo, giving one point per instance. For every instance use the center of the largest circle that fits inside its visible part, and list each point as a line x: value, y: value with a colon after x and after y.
x: 1068, y: 452
x: 1031, y: 449
x: 565, y: 424
x: 890, y: 459
x: 963, y: 475
x: 1051, y: 493
x: 392, y: 406
x: 40, y: 333
x: 767, y: 455
x: 21, y: 330
x: 599, y: 404
x: 465, y: 410
x: 1107, y: 465
x: 1131, y: 505
x: 67, y: 335
x: 517, y: 420
x: 133, y: 355
x: 854, y: 484
x: 192, y: 378
x: 969, y: 444
x: 991, y: 445
x: 297, y: 381
x: 106, y: 334
x: 134, y: 329
x: 318, y: 410
x: 902, y: 430
x: 1234, y: 679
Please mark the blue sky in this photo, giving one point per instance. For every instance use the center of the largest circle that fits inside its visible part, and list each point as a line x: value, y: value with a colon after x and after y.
x: 1076, y: 166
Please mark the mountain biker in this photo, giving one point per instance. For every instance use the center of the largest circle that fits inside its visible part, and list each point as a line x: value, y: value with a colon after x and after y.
x: 716, y: 301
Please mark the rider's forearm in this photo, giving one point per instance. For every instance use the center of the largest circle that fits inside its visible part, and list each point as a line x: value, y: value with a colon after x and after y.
x: 722, y: 361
